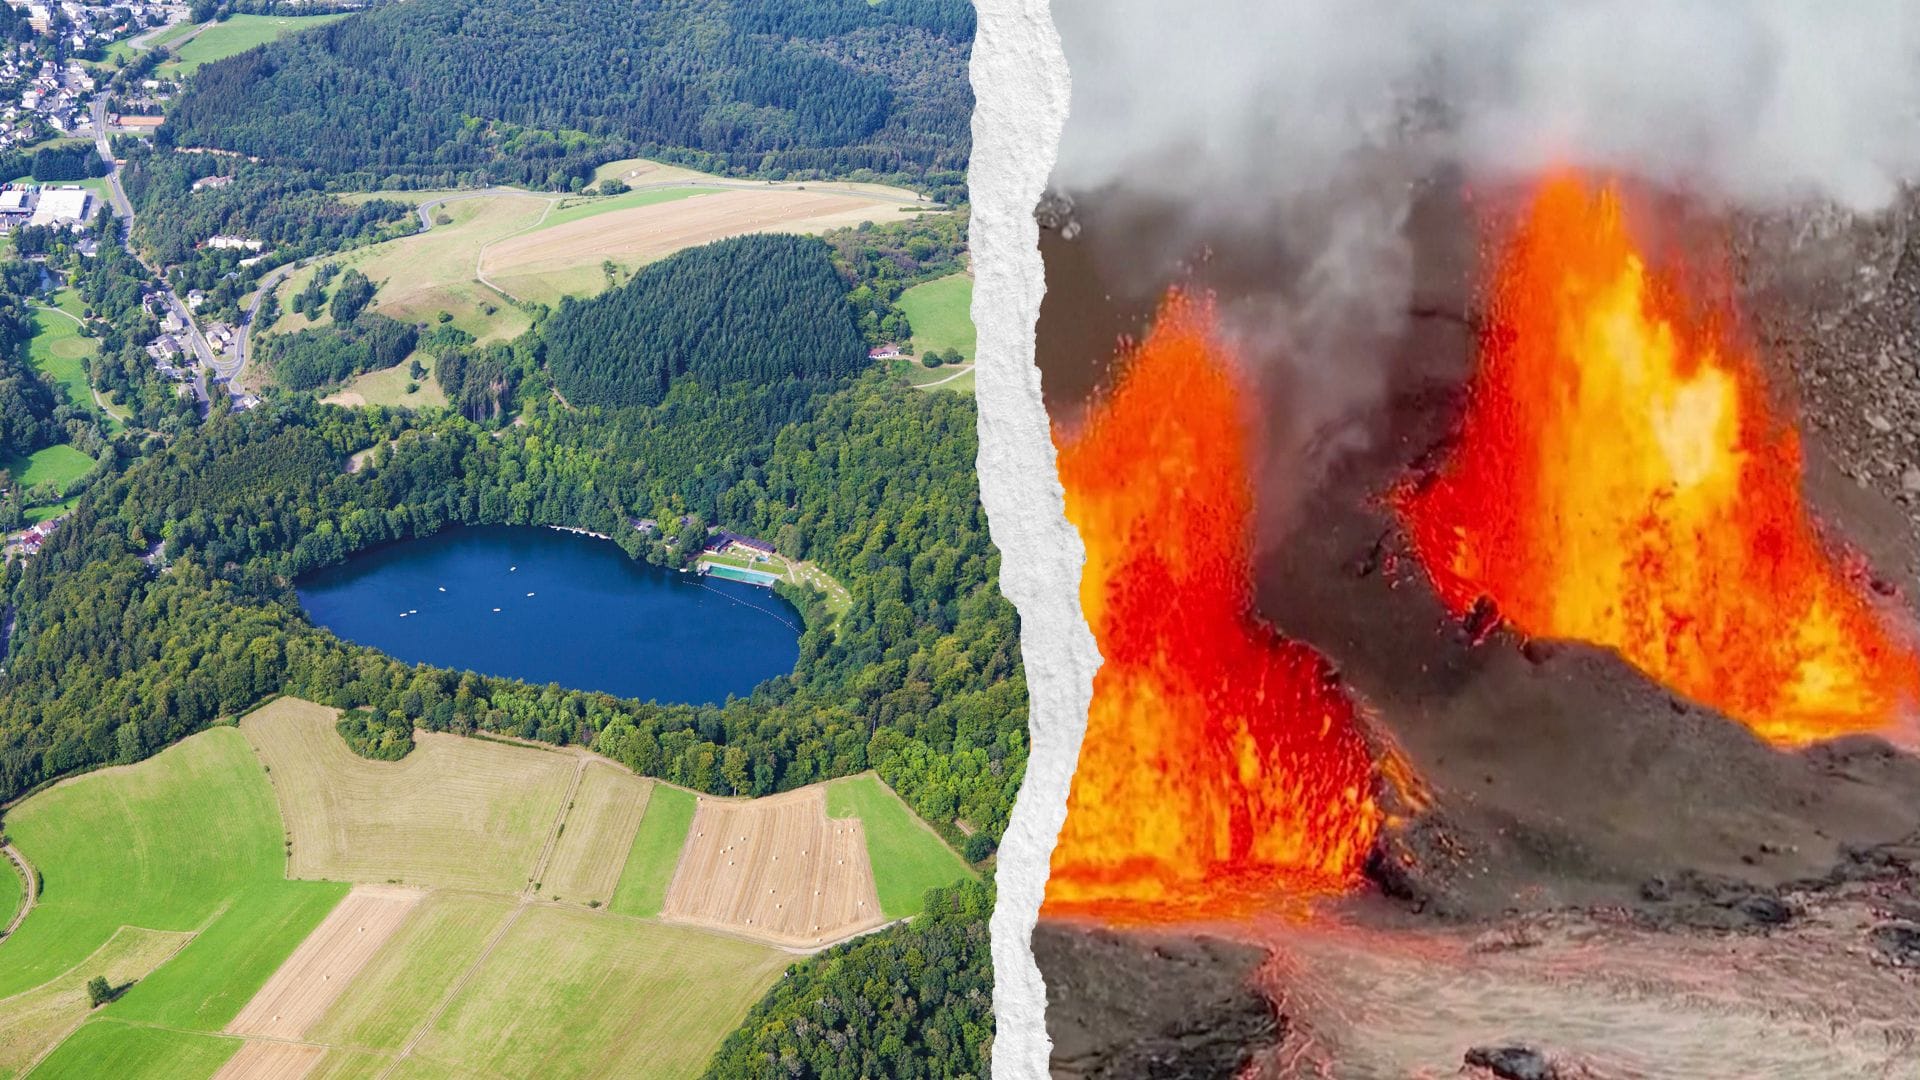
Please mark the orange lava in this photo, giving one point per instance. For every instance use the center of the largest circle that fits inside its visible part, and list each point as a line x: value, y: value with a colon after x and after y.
x: 1223, y: 766
x: 1622, y: 478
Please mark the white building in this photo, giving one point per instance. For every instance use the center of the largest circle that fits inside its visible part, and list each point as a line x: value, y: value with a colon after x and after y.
x: 66, y: 206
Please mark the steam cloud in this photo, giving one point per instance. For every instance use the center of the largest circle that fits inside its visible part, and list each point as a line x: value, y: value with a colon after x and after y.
x: 1313, y: 122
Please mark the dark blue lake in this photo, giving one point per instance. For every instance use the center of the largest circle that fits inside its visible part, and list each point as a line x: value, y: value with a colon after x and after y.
x: 549, y: 606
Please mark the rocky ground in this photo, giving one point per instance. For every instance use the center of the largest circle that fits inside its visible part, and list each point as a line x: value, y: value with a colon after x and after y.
x: 1835, y: 299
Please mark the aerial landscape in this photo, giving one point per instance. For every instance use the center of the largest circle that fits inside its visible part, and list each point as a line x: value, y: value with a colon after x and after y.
x: 495, y: 580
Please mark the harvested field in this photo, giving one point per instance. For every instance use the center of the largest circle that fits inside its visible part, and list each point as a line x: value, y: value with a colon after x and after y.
x: 455, y: 812
x: 319, y: 971
x: 606, y: 811
x: 32, y: 1022
x: 634, y: 998
x: 776, y: 869
x: 388, y: 386
x: 271, y: 1061
x: 547, y: 263
x: 397, y: 990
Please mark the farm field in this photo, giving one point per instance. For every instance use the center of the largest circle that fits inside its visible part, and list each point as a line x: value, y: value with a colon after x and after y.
x: 234, y: 35
x: 400, y: 985
x: 565, y: 259
x: 34, y: 1021
x: 421, y: 275
x: 165, y: 845
x: 638, y: 998
x: 105, y: 1047
x: 325, y: 963
x: 654, y: 853
x: 388, y: 386
x: 940, y: 314
x: 775, y: 869
x: 455, y: 812
x: 591, y: 851
x: 908, y: 857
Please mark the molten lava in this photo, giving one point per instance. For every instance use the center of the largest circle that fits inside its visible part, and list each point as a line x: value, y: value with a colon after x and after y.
x: 1622, y: 478
x: 1223, y: 765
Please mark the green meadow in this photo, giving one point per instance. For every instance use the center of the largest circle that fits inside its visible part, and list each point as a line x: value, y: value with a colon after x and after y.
x: 656, y: 849
x: 908, y: 857
x: 107, y: 1048
x: 236, y: 34
x: 58, y: 465
x: 940, y: 314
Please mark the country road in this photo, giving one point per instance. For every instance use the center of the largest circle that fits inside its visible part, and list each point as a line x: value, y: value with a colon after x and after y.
x: 33, y: 887
x: 123, y: 209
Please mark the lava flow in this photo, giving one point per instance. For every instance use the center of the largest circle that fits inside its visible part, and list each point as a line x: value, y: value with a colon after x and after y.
x: 1622, y: 478
x: 1223, y: 765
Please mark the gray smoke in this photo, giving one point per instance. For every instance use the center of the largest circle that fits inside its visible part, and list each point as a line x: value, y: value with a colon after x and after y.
x: 1313, y: 123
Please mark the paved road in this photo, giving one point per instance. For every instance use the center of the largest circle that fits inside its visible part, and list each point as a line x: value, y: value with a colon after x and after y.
x: 123, y: 209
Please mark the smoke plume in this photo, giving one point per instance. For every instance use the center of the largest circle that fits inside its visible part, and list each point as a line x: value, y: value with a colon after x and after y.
x: 1311, y: 125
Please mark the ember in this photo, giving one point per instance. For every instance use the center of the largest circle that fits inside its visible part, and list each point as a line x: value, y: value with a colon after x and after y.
x: 1223, y: 764
x: 1622, y: 478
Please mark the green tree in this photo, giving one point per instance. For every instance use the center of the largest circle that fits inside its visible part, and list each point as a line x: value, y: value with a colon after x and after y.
x: 98, y: 991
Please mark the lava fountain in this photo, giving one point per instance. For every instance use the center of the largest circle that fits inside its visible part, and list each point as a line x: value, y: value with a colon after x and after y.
x: 1223, y: 765
x: 1622, y: 478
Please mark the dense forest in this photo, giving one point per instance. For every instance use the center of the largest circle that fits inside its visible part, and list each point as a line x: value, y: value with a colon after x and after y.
x: 289, y: 210
x: 911, y: 1001
x: 466, y: 92
x: 769, y: 310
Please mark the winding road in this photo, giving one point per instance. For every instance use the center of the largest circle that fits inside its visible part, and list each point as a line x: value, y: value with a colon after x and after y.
x: 33, y: 887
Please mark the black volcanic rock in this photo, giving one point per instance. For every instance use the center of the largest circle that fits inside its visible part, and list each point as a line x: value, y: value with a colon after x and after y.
x: 1511, y: 1062
x: 1124, y: 1005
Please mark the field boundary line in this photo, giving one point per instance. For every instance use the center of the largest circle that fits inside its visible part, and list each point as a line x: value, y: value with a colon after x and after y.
x: 480, y: 256
x: 89, y: 1014
x: 454, y: 990
x: 553, y: 832
x: 32, y: 894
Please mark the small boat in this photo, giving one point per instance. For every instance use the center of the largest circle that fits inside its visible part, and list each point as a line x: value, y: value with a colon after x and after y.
x: 496, y: 609
x: 511, y: 569
x: 413, y: 611
x: 529, y: 594
x: 443, y: 588
x: 403, y: 614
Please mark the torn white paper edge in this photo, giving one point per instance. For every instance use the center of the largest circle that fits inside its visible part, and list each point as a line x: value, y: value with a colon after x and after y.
x: 1020, y: 102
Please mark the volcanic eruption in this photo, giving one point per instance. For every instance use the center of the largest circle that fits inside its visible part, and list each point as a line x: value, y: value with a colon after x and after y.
x: 1621, y: 478
x: 1222, y: 764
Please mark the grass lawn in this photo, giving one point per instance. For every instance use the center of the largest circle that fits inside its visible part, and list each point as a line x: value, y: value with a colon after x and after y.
x: 58, y: 349
x: 236, y: 35
x: 637, y: 998
x: 106, y: 1048
x: 37, y: 514
x: 939, y: 313
x: 57, y: 465
x: 656, y: 850
x: 204, y: 987
x: 164, y: 844
x: 908, y: 857
x: 944, y: 377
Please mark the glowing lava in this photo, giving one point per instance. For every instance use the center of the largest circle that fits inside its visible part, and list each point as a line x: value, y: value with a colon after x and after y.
x: 1222, y: 764
x: 1621, y: 478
